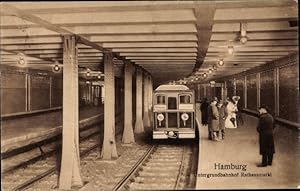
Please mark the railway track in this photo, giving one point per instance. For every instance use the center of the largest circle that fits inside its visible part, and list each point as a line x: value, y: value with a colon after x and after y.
x: 26, y: 174
x: 163, y: 167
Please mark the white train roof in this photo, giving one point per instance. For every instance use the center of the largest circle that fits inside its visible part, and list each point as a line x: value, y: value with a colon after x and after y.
x: 172, y: 87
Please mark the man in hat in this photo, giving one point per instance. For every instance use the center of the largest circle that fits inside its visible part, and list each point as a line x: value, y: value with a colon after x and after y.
x: 213, y: 120
x: 266, y: 140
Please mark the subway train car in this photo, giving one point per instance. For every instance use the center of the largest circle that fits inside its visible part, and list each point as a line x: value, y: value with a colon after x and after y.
x: 174, y: 112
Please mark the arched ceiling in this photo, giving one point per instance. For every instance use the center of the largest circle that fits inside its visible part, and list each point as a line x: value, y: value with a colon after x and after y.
x: 172, y: 40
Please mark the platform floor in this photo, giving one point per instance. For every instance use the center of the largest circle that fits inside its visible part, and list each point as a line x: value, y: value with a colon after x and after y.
x: 241, y: 147
x: 22, y: 128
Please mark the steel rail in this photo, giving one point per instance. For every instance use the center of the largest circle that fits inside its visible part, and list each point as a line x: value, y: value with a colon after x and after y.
x: 52, y: 170
x: 134, y: 169
x: 180, y: 168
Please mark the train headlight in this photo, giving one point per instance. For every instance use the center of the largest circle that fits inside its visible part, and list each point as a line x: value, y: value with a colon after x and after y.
x: 184, y: 116
x: 160, y: 117
x: 171, y: 133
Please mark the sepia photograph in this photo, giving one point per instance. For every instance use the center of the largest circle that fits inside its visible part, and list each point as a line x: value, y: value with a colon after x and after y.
x: 149, y: 95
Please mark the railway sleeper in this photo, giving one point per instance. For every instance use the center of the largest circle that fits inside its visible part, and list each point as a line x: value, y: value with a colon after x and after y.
x: 154, y: 179
x: 168, y: 157
x: 152, y: 186
x: 162, y: 160
x: 159, y: 169
x: 161, y: 165
x: 156, y: 174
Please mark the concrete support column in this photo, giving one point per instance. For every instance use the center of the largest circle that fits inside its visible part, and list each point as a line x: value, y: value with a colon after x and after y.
x: 146, y: 118
x: 128, y: 136
x: 150, y: 99
x: 70, y: 161
x: 198, y: 92
x: 139, y: 126
x: 109, y: 149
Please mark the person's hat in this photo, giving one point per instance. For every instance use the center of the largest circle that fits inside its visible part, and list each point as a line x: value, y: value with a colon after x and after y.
x: 264, y: 107
x: 235, y: 98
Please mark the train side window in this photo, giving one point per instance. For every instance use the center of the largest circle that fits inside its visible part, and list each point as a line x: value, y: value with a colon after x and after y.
x: 160, y: 99
x: 172, y: 103
x: 185, y: 99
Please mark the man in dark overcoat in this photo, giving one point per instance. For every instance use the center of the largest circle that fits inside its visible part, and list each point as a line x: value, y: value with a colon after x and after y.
x: 213, y: 120
x: 203, y: 109
x: 266, y: 139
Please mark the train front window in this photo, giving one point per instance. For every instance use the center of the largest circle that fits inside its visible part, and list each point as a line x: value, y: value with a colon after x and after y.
x: 160, y: 100
x: 185, y: 99
x: 172, y: 103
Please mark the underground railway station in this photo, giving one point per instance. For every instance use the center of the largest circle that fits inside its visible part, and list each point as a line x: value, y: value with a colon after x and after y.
x: 149, y: 95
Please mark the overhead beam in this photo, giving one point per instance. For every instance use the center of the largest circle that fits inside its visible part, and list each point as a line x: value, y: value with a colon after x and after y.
x: 257, y: 49
x: 31, y: 40
x: 157, y: 54
x: 160, y: 58
x: 116, y: 18
x: 150, y: 44
x: 106, y: 6
x: 256, y: 35
x: 256, y: 14
x: 155, y: 50
x: 204, y: 13
x: 257, y: 43
x: 134, y: 29
x: 166, y: 62
x: 254, y: 26
x: 9, y: 9
x: 248, y: 54
x: 27, y: 55
x: 144, y: 38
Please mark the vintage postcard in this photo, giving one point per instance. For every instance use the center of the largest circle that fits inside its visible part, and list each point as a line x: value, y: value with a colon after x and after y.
x: 149, y: 95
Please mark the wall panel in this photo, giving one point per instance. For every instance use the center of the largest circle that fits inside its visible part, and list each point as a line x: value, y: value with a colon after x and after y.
x: 252, y: 92
x: 240, y: 91
x: 289, y: 93
x: 230, y: 88
x: 267, y: 90
x: 39, y: 92
x: 56, y: 92
x: 13, y: 93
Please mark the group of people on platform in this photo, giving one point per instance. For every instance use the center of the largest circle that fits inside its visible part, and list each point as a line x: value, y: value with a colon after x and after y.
x: 218, y: 116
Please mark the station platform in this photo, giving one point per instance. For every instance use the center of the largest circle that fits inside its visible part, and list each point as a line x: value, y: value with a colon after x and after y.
x: 31, y: 129
x: 241, y: 148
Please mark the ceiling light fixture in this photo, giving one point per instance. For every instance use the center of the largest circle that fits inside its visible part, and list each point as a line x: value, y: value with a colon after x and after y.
x: 214, y: 67
x: 21, y: 59
x: 88, y: 72
x: 243, y: 38
x: 221, y: 62
x: 204, y: 75
x: 210, y: 71
x: 230, y: 49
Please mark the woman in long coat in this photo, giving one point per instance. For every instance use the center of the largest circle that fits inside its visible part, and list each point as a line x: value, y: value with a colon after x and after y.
x: 222, y: 117
x: 266, y: 140
x: 213, y: 119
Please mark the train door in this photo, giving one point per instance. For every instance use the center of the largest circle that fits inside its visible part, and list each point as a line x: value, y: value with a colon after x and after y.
x: 172, y: 115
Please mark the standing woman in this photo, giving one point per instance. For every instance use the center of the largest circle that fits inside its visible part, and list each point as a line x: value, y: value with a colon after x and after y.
x: 231, y: 110
x: 213, y: 120
x: 222, y: 117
